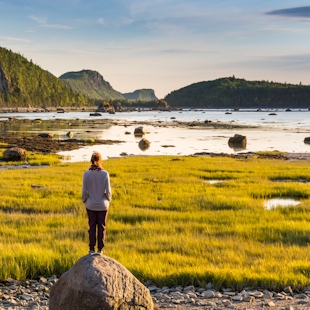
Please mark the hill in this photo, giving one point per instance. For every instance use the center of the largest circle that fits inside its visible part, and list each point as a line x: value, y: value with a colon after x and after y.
x: 91, y: 84
x: 24, y: 84
x: 141, y: 95
x: 239, y: 93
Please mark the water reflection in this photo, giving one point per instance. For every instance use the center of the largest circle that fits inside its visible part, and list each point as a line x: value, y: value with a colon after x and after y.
x: 214, y: 181
x: 272, y: 204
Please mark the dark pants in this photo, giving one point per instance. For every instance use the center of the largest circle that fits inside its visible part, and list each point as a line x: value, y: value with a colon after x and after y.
x: 96, y: 218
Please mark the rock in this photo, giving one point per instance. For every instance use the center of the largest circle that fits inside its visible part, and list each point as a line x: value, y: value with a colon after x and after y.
x: 95, y: 114
x: 46, y: 135
x: 237, y: 141
x: 272, y: 114
x: 14, y: 154
x: 288, y: 290
x: 237, y: 298
x: 248, y: 298
x: 127, y: 133
x: 307, y: 140
x: 70, y: 134
x: 99, y: 282
x: 144, y: 144
x: 208, y: 294
x: 139, y: 131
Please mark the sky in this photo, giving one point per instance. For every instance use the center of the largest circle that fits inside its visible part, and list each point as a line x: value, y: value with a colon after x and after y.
x: 162, y: 44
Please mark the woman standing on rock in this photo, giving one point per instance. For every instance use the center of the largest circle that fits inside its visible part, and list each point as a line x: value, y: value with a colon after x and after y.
x: 96, y: 195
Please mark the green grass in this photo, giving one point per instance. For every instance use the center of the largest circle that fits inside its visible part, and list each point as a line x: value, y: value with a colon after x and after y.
x: 166, y: 223
x: 33, y: 159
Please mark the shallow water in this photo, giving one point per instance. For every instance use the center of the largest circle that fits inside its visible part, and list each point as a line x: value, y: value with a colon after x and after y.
x: 272, y: 204
x: 282, y: 132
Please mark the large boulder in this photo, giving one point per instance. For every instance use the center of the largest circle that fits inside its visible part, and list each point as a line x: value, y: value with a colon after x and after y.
x: 307, y: 140
x: 46, y: 135
x: 139, y: 131
x: 237, y: 141
x: 101, y: 283
x: 14, y: 154
x: 144, y: 144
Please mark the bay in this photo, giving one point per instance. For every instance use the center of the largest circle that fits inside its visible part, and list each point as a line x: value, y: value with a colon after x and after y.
x: 266, y: 130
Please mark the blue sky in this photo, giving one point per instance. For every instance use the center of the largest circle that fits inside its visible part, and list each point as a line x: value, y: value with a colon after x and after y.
x: 162, y: 44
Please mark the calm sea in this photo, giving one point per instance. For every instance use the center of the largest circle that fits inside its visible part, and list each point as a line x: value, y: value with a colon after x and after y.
x: 277, y: 130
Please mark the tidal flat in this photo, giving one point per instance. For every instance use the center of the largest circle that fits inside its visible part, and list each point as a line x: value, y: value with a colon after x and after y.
x: 167, y: 223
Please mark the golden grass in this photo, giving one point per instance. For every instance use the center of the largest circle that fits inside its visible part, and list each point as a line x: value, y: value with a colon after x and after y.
x: 166, y: 222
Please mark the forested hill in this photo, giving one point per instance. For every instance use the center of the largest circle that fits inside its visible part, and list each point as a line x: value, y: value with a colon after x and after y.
x: 239, y: 93
x: 24, y: 84
x: 91, y: 84
x: 142, y: 95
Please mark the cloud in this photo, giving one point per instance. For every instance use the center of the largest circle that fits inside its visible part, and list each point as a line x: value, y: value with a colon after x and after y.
x: 42, y: 23
x: 14, y: 39
x: 55, y: 26
x: 100, y: 21
x: 302, y: 12
x: 39, y: 20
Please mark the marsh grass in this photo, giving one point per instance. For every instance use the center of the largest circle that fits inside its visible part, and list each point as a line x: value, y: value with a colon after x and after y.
x: 33, y: 159
x: 166, y: 224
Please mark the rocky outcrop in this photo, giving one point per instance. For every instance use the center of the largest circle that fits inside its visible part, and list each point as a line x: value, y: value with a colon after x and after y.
x: 99, y: 282
x: 4, y: 82
x: 141, y: 94
x: 14, y: 154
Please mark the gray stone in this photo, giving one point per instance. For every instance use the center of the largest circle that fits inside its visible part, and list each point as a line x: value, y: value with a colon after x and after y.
x: 237, y: 298
x: 208, y: 294
x: 99, y: 282
x: 289, y: 290
x: 248, y: 298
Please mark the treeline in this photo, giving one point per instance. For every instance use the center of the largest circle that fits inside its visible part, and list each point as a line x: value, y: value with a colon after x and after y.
x: 239, y: 93
x: 24, y: 84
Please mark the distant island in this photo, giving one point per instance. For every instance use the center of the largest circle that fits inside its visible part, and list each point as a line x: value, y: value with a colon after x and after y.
x: 92, y: 84
x: 238, y: 93
x: 25, y: 84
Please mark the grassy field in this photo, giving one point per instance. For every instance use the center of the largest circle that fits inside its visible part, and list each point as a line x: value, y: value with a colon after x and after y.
x: 167, y: 223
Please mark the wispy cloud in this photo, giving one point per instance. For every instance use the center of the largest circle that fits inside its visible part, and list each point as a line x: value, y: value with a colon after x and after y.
x: 39, y: 20
x: 100, y: 21
x: 55, y: 26
x: 42, y: 21
x: 302, y: 12
x: 14, y: 39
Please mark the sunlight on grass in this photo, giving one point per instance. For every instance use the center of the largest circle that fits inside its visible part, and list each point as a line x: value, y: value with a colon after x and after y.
x: 166, y: 224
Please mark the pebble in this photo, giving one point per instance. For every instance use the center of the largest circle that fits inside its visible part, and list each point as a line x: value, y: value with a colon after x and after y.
x: 34, y: 295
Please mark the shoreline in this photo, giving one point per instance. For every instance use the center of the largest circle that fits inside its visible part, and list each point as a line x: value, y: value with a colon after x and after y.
x: 34, y: 294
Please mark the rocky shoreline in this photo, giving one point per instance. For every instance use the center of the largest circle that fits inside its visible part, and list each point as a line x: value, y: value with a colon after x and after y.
x: 34, y: 295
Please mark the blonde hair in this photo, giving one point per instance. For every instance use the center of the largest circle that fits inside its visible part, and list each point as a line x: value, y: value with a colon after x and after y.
x: 96, y: 159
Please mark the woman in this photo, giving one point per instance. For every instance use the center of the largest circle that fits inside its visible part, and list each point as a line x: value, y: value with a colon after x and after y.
x: 96, y: 195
